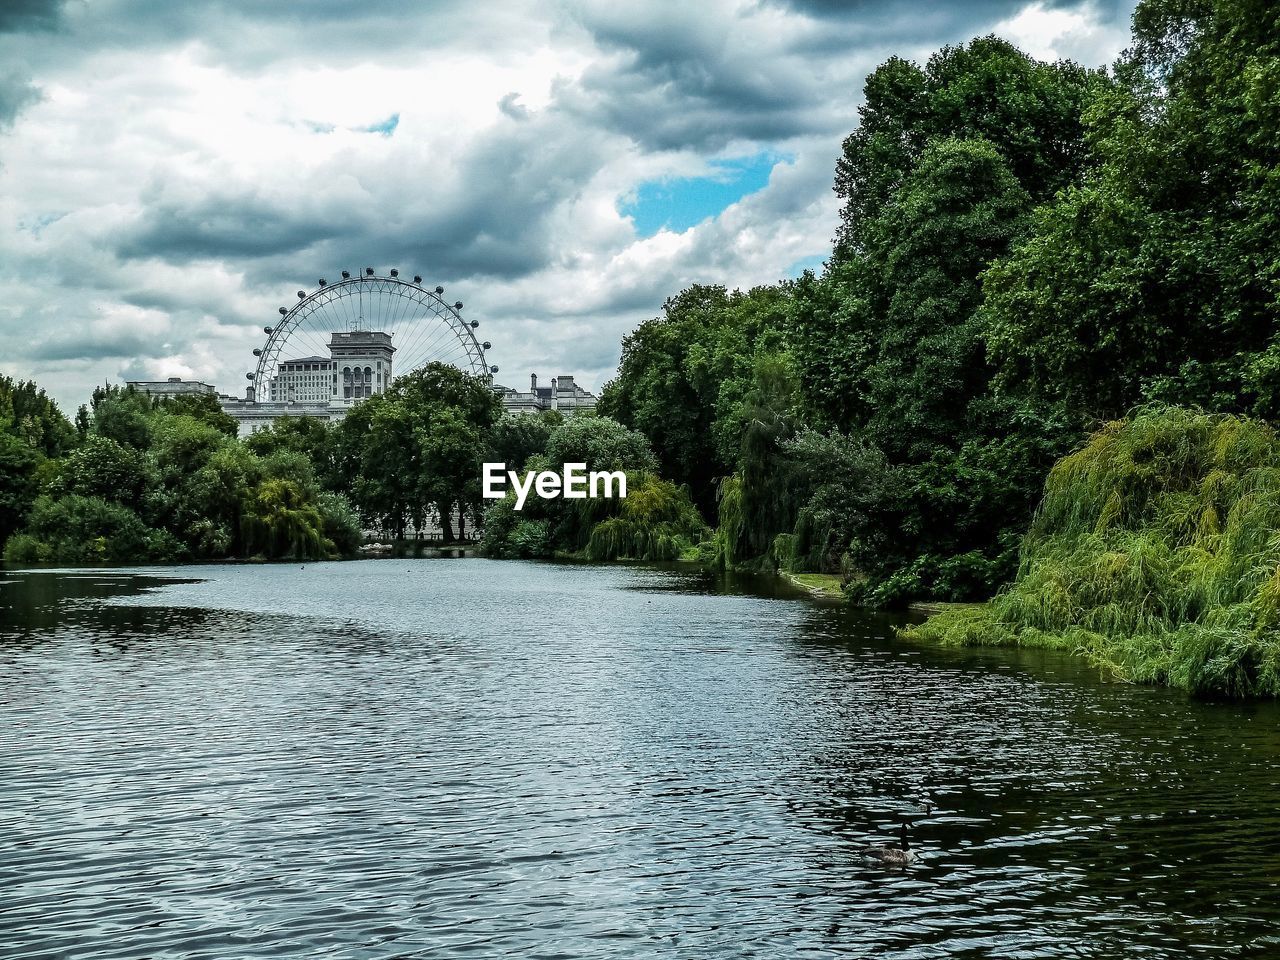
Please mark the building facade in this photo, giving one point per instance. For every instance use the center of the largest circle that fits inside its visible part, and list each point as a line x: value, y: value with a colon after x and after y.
x: 173, y: 387
x: 563, y: 394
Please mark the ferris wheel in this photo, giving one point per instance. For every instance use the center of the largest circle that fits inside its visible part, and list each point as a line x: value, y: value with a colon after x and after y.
x: 414, y: 321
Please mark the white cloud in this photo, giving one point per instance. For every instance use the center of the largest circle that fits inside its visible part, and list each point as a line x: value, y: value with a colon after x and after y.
x: 1056, y: 33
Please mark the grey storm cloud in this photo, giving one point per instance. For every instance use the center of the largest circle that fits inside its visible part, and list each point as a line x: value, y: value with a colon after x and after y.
x: 951, y: 18
x: 131, y: 204
x: 491, y: 218
x: 16, y: 92
x: 18, y: 15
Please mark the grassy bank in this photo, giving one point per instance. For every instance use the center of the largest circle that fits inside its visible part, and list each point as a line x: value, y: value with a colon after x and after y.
x: 826, y: 586
x: 1156, y: 553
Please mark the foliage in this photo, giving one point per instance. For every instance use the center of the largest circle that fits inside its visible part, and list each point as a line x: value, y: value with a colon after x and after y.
x: 122, y: 414
x: 892, y: 354
x: 683, y: 375
x: 203, y: 407
x: 18, y: 485
x: 989, y: 90
x: 601, y: 443
x: 27, y: 412
x: 510, y: 536
x: 280, y: 521
x: 1157, y: 277
x: 516, y: 437
x: 80, y: 529
x: 546, y: 527
x: 103, y: 468
x: 311, y: 437
x: 657, y: 521
x: 1154, y: 553
x: 419, y: 445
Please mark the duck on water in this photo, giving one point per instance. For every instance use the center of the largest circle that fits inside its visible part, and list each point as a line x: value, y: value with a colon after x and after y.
x: 900, y: 855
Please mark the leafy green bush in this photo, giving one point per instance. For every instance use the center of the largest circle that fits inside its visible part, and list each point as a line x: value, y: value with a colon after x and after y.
x: 656, y: 521
x: 1154, y: 553
x: 24, y: 549
x: 341, y: 523
x: 280, y: 521
x: 78, y: 529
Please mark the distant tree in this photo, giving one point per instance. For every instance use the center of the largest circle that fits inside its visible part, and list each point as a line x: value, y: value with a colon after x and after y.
x: 103, y: 468
x: 417, y: 446
x: 280, y: 521
x: 77, y: 529
x: 1030, y: 112
x: 28, y: 413
x: 122, y: 414
x: 203, y: 407
x: 18, y: 484
x: 1157, y: 277
x: 601, y: 443
x: 684, y: 373
x: 515, y: 438
x: 310, y: 436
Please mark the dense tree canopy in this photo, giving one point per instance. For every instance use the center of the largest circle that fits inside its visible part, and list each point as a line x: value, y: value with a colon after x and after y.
x: 418, y: 446
x: 1024, y: 248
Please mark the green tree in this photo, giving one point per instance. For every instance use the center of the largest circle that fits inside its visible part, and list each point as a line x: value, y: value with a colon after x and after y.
x: 122, y: 414
x: 310, y: 436
x: 101, y: 467
x: 684, y: 374
x: 27, y: 412
x: 77, y: 529
x: 1158, y: 276
x: 18, y: 485
x: 203, y: 407
x: 517, y: 437
x: 1030, y: 112
x: 280, y: 521
x: 418, y: 445
x: 545, y: 527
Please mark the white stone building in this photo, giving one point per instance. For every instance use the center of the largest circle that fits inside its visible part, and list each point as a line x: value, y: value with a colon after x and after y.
x: 563, y: 395
x: 173, y: 387
x: 358, y: 366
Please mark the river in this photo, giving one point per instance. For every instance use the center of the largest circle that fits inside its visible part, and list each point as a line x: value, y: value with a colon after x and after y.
x: 393, y: 758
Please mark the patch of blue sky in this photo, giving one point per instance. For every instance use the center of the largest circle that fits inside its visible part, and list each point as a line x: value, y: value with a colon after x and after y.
x: 678, y: 203
x: 814, y: 263
x: 385, y: 127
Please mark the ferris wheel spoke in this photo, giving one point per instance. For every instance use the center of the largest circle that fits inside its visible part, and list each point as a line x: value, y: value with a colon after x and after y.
x: 422, y: 330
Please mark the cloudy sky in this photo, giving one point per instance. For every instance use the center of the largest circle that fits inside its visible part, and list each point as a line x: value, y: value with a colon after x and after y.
x: 171, y: 173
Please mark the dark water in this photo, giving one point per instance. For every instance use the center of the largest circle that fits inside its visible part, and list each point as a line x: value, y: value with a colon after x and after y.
x: 459, y: 757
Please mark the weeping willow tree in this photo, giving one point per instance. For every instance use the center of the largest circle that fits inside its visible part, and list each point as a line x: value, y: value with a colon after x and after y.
x: 759, y: 500
x: 280, y: 521
x: 1156, y: 553
x: 656, y: 521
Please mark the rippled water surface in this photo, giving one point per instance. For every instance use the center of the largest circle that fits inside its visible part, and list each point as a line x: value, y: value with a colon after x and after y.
x: 459, y: 757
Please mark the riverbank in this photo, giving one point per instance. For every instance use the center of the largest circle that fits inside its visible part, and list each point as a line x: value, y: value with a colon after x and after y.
x: 1154, y: 555
x: 823, y: 586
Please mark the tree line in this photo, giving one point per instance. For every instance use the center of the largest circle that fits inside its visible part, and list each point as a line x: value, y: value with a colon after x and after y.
x: 1026, y: 250
x: 139, y: 479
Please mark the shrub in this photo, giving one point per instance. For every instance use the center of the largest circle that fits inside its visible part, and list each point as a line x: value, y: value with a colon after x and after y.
x: 656, y: 521
x: 1154, y: 553
x: 24, y: 549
